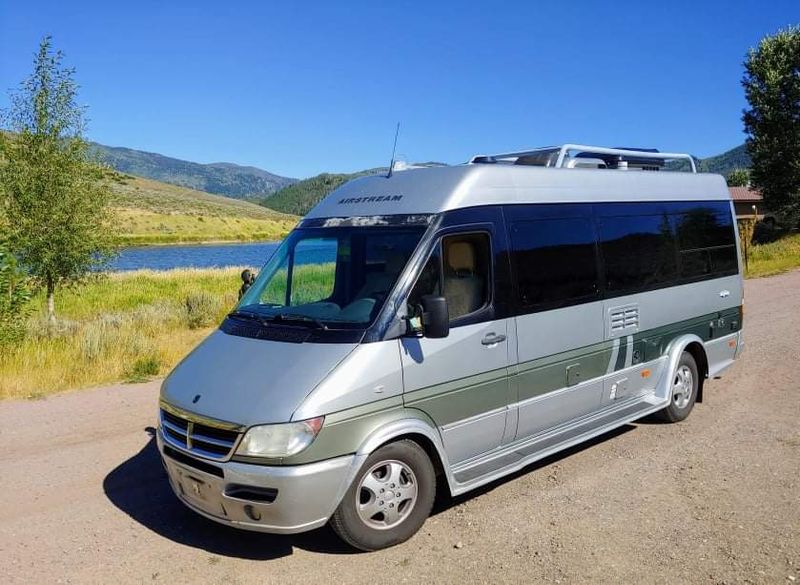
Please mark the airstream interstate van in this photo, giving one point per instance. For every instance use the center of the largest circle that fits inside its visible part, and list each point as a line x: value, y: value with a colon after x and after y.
x: 446, y: 326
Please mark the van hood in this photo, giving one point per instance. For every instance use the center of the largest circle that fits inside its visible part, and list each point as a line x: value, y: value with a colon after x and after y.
x: 250, y: 381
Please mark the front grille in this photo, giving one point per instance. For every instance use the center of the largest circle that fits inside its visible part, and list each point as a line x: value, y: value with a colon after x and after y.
x: 192, y: 462
x: 197, y: 437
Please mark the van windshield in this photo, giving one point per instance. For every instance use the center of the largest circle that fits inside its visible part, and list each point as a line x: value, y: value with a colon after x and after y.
x: 331, y: 277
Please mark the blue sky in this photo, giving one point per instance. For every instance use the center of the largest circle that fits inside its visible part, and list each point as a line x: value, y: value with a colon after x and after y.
x: 299, y: 88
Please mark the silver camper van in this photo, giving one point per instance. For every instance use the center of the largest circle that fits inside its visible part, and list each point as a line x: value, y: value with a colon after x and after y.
x: 446, y: 326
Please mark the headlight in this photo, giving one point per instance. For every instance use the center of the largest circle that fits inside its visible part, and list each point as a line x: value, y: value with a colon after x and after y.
x: 283, y: 440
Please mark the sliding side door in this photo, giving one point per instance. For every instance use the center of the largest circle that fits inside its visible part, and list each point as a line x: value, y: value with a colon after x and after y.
x: 561, y: 355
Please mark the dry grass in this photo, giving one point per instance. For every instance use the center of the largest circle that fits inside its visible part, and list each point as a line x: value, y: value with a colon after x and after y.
x: 128, y: 326
x: 775, y: 257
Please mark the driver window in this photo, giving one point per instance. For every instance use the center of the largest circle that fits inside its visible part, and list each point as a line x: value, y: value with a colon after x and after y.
x: 462, y: 277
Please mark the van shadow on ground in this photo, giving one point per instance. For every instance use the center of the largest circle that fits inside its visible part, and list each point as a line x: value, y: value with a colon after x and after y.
x: 139, y: 487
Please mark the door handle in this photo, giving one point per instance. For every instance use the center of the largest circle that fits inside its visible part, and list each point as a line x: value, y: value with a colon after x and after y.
x: 724, y: 293
x: 492, y: 339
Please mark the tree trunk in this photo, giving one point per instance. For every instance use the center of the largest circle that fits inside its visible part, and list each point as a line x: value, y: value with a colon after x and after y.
x: 51, y: 302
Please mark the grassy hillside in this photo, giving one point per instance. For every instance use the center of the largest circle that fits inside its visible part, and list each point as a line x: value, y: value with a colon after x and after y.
x: 153, y: 212
x: 219, y: 178
x: 301, y: 196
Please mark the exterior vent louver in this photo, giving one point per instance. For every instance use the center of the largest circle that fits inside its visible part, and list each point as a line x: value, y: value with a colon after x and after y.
x: 623, y: 320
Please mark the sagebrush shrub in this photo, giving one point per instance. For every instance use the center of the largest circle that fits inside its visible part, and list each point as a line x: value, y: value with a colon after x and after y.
x: 202, y: 309
x: 143, y: 368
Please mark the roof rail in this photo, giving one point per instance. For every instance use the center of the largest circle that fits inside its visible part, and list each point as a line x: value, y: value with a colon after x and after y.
x: 556, y: 156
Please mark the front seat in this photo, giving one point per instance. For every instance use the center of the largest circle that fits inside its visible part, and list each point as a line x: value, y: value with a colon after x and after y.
x: 379, y: 283
x: 463, y: 287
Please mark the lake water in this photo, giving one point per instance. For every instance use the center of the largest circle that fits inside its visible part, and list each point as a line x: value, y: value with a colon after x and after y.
x: 193, y: 256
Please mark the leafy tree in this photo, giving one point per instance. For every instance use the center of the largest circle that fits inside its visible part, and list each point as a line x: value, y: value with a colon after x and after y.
x: 14, y: 297
x: 53, y: 195
x: 772, y: 87
x: 739, y: 178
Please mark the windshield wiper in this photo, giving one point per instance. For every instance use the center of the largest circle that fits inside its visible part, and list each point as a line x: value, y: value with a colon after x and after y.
x: 304, y: 319
x: 248, y: 316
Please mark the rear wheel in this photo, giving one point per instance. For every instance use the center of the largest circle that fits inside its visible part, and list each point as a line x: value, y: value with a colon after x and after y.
x: 390, y: 498
x: 685, y: 384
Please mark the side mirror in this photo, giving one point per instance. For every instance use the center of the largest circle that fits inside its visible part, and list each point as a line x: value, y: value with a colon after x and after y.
x: 435, y: 317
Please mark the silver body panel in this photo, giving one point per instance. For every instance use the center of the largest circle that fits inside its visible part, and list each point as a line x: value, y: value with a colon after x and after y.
x: 250, y: 381
x: 372, y: 371
x: 306, y: 495
x: 659, y: 307
x: 437, y: 189
x: 431, y: 362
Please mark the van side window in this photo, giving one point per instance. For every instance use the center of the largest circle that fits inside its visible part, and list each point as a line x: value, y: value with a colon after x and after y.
x: 463, y: 277
x: 554, y: 261
x: 638, y: 251
x: 466, y: 273
x: 706, y: 241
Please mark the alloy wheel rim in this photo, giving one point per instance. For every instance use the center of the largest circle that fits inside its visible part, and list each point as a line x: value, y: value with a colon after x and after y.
x: 386, y: 494
x: 682, y: 386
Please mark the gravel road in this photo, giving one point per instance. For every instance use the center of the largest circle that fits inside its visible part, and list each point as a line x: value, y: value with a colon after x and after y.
x: 715, y: 499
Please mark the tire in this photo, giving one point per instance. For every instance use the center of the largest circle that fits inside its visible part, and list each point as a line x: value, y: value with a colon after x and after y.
x: 370, y: 519
x: 685, y: 385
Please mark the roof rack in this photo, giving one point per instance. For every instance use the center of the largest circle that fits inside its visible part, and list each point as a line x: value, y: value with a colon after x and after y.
x: 559, y: 156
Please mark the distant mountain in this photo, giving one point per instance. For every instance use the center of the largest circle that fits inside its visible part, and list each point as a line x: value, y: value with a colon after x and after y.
x: 722, y: 164
x: 301, y: 196
x: 736, y: 158
x: 227, y: 179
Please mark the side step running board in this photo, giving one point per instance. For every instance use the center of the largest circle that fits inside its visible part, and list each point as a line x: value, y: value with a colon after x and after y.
x: 514, y: 458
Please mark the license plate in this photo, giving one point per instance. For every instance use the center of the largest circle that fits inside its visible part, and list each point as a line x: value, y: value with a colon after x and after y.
x: 197, y: 489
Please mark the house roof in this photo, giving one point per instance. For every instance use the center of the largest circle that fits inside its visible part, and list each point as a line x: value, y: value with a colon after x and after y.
x: 744, y: 194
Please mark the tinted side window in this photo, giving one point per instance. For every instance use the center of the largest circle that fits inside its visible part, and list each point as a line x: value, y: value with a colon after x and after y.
x: 706, y: 240
x: 554, y: 261
x: 638, y: 251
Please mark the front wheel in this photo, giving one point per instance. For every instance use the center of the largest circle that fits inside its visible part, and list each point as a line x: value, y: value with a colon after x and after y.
x: 685, y: 384
x: 389, y: 499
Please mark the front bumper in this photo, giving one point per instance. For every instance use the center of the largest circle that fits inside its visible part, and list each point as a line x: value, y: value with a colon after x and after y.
x: 274, y: 499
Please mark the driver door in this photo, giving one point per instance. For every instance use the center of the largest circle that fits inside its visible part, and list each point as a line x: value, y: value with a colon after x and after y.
x: 461, y: 381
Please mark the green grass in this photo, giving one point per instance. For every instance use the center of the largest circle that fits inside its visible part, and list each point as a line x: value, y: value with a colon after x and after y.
x: 151, y: 212
x: 127, y: 327
x: 774, y: 258
x: 310, y: 283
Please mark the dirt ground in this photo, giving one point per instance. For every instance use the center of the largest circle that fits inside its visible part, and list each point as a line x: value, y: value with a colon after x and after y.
x: 715, y: 499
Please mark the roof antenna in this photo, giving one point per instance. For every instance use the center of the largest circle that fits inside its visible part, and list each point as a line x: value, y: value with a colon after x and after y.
x: 394, y: 149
